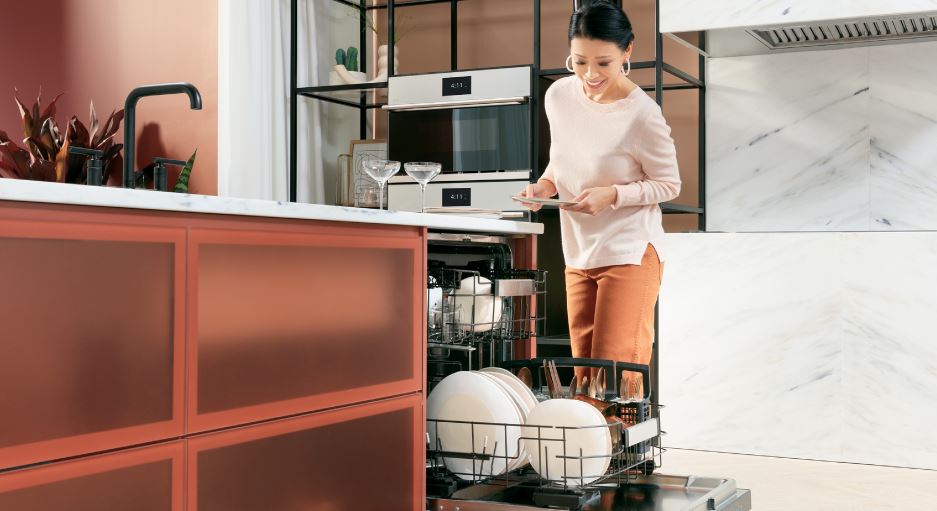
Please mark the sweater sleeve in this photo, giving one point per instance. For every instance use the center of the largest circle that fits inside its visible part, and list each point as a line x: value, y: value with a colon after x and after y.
x: 548, y: 174
x: 657, y: 155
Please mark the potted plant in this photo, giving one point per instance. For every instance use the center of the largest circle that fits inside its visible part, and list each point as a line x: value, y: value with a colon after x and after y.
x: 346, y: 68
x: 346, y: 71
x: 44, y: 155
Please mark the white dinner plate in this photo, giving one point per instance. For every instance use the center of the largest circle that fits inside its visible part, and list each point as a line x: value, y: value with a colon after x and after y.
x: 545, y: 445
x: 517, y: 456
x: 545, y: 202
x: 471, y: 397
x: 518, y: 386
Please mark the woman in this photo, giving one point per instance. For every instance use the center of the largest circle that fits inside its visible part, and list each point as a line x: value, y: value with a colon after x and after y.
x: 612, y: 154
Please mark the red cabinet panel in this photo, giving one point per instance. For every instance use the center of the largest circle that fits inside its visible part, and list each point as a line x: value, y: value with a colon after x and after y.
x: 289, y: 322
x: 92, y: 317
x: 362, y: 457
x: 145, y: 479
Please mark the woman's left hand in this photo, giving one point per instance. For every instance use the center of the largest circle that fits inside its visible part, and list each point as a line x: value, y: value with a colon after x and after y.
x: 593, y: 201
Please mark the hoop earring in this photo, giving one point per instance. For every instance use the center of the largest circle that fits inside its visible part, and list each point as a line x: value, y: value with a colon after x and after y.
x: 569, y: 64
x: 623, y: 72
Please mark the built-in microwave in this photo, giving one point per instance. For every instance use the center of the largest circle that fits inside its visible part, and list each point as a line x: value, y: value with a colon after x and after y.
x: 476, y: 123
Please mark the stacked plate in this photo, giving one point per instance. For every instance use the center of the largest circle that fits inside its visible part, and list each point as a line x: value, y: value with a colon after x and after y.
x: 568, y: 442
x: 492, y: 414
x: 480, y: 412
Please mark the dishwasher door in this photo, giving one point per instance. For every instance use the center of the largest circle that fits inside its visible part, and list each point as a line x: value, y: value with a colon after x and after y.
x: 657, y: 492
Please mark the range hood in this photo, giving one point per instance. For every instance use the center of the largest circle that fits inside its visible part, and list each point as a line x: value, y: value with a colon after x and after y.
x: 811, y: 35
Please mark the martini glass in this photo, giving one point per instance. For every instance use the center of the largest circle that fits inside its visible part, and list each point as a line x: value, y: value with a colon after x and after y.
x: 380, y: 171
x: 422, y: 172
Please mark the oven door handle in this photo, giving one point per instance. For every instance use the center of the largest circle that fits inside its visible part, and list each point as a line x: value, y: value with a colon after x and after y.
x: 518, y: 100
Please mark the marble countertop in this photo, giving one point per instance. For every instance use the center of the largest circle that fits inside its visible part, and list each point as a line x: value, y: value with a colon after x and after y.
x: 58, y: 193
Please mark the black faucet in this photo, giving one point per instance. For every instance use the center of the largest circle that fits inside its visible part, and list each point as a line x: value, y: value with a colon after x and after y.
x: 130, y: 108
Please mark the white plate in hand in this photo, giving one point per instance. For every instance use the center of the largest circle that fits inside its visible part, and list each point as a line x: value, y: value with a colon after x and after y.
x: 471, y: 397
x: 544, y: 202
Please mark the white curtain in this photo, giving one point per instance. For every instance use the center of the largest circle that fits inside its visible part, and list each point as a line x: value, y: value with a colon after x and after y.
x: 254, y: 101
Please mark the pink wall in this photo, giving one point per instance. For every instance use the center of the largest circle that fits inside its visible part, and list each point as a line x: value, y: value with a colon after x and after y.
x: 99, y: 50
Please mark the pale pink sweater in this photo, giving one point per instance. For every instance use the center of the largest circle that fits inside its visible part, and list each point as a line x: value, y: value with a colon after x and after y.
x: 625, y: 144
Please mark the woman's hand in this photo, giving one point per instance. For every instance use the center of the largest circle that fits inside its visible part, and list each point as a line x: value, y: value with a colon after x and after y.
x: 540, y: 189
x: 593, y: 201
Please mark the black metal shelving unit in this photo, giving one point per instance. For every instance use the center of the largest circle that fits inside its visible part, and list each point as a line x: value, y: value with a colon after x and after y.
x: 689, y: 82
x: 366, y: 91
x: 344, y: 94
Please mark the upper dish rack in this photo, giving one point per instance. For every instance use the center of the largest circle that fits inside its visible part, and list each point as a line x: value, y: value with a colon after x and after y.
x: 467, y: 307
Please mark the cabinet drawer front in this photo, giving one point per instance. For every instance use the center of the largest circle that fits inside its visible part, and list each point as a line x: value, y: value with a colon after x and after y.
x: 286, y: 323
x: 93, y: 337
x: 362, y: 457
x: 145, y: 479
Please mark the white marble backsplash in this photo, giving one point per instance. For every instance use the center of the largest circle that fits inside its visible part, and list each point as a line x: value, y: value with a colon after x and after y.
x: 684, y: 15
x: 903, y: 114
x: 805, y: 345
x: 838, y: 140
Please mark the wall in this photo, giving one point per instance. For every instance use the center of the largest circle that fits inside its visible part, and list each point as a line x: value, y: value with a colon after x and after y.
x: 803, y: 345
x: 787, y: 336
x: 100, y: 49
x: 842, y: 140
x: 24, y: 68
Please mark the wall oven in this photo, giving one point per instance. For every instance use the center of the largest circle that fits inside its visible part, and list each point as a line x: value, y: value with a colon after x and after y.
x: 477, y: 124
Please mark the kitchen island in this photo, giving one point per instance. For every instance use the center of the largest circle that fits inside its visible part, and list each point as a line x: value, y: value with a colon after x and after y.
x: 175, y: 351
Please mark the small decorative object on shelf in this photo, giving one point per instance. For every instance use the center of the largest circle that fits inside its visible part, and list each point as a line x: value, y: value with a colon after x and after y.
x: 345, y: 184
x: 366, y: 190
x: 382, y: 62
x: 401, y: 28
x: 346, y: 68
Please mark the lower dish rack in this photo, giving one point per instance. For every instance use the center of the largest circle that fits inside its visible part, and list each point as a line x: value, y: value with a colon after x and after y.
x: 544, y: 465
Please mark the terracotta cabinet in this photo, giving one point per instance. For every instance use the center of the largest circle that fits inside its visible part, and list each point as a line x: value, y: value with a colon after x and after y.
x: 144, y: 479
x: 92, y: 318
x: 288, y: 322
x: 360, y: 457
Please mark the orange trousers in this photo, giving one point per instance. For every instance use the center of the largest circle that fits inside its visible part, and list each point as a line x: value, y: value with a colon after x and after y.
x: 611, y: 312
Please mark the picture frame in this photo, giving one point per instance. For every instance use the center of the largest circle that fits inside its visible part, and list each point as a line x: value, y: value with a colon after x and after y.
x: 366, y: 189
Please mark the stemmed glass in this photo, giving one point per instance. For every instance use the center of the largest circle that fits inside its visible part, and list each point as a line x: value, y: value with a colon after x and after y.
x: 422, y: 172
x: 380, y: 171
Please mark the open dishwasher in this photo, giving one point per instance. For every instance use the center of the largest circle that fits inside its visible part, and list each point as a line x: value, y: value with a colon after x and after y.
x: 479, y: 306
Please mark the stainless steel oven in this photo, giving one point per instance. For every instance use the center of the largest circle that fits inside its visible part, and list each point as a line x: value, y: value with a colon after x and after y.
x: 477, y: 124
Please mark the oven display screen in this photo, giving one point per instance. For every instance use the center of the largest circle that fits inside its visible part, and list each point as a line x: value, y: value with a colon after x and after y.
x: 456, y: 196
x: 457, y: 85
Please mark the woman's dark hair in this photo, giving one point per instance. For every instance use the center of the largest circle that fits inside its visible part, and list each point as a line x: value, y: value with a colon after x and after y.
x: 601, y: 20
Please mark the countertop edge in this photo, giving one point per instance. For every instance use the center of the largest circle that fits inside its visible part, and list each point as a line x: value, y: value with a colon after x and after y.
x: 82, y: 195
